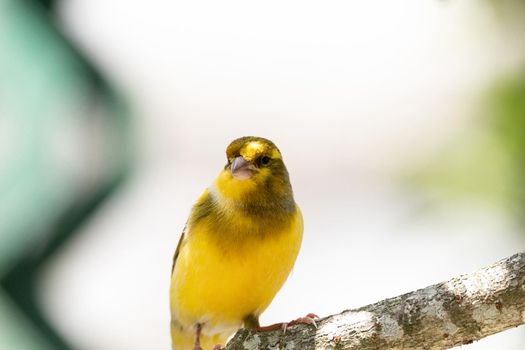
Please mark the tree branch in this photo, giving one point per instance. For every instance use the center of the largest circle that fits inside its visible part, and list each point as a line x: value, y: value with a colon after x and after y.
x: 448, y: 314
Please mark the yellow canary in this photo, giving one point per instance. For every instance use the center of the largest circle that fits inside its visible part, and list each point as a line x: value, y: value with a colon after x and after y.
x: 238, y: 247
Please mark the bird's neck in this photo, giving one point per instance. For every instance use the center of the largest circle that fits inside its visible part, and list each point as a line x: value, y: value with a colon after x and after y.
x: 262, y: 204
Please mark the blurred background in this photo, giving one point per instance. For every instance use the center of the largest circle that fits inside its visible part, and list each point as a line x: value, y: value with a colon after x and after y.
x: 402, y: 125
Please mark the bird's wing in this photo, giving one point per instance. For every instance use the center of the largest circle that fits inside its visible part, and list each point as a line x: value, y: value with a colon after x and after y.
x: 179, y: 245
x: 200, y: 210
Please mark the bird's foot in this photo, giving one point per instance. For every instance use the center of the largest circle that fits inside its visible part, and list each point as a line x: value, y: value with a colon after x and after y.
x: 308, y: 319
x: 198, y: 330
x: 217, y: 347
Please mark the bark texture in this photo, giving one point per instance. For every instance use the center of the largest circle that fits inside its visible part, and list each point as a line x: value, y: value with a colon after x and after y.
x: 444, y: 315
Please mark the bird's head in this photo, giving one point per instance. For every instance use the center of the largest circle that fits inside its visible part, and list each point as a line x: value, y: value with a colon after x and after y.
x: 254, y: 170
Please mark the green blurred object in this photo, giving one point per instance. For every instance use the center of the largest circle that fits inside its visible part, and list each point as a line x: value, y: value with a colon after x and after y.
x: 65, y: 145
x: 488, y: 161
x: 507, y: 119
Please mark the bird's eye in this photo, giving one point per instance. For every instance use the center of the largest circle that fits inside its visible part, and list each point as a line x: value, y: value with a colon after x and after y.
x: 264, y: 160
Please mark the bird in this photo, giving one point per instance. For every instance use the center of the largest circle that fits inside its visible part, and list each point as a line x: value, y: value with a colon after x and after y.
x: 237, y: 248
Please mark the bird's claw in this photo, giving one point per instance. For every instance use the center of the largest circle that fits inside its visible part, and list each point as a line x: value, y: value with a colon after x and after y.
x: 308, y: 319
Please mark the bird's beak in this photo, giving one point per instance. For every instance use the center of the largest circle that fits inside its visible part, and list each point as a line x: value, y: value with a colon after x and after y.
x: 242, y: 169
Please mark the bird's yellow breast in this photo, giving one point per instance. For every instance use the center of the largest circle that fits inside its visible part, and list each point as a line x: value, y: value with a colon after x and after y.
x: 220, y: 284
